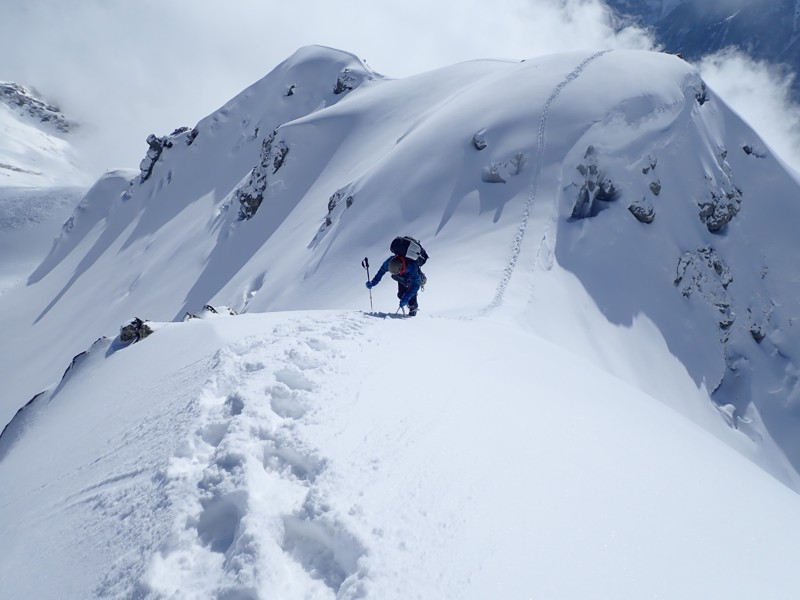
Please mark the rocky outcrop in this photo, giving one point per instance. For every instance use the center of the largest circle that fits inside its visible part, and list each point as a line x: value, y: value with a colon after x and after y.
x: 595, y: 189
x: 134, y: 331
x: 251, y: 194
x: 157, y: 145
x: 478, y: 141
x: 335, y: 201
x: 25, y: 102
x: 723, y: 198
x: 701, y: 93
x: 209, y: 311
x: 643, y: 210
x: 752, y: 151
x: 500, y: 172
x: 705, y: 274
x: 719, y: 208
x: 346, y: 82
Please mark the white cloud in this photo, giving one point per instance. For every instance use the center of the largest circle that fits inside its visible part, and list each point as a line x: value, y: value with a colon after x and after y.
x: 131, y: 69
x: 760, y: 93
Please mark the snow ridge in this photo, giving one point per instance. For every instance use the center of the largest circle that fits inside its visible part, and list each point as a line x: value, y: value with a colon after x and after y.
x: 245, y: 472
x: 516, y: 244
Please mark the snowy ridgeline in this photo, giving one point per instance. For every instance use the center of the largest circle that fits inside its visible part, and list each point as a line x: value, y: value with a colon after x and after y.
x: 280, y: 455
x: 597, y: 259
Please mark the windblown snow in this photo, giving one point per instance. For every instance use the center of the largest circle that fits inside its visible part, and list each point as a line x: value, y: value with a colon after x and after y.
x: 597, y: 400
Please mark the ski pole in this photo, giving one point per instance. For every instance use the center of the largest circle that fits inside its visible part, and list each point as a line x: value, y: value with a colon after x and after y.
x: 365, y: 264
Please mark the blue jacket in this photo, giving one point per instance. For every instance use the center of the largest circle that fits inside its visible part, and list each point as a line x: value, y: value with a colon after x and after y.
x: 408, y: 278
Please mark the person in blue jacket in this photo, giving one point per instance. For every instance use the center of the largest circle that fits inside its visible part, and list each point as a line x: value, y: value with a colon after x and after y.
x: 407, y: 275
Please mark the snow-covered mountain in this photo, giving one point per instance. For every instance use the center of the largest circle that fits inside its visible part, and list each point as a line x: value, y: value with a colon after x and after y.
x: 606, y: 347
x: 35, y: 150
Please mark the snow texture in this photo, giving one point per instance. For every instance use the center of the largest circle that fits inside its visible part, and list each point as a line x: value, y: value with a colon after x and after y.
x: 590, y: 404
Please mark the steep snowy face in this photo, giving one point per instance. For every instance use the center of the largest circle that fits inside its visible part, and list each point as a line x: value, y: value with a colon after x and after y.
x: 34, y: 146
x: 30, y: 218
x: 670, y: 207
x: 619, y: 169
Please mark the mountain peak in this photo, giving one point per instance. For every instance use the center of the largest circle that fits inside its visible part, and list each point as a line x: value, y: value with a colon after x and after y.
x: 27, y: 103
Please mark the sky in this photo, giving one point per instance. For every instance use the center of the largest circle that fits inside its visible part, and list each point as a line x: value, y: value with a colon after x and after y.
x: 131, y: 69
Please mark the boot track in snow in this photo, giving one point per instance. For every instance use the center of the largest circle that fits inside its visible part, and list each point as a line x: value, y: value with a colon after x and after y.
x: 250, y: 515
x: 516, y: 244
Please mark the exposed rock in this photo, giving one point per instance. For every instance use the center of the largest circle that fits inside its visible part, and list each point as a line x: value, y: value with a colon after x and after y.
x: 134, y: 331
x: 478, y: 141
x: 25, y: 101
x: 208, y: 310
x: 700, y: 93
x: 719, y: 209
x: 651, y: 164
x: 156, y: 147
x: 345, y: 82
x: 643, y: 211
x: 596, y: 187
x: 723, y: 197
x: 751, y: 151
x: 757, y: 331
x: 191, y: 134
x: 704, y: 273
x: 491, y: 174
x: 251, y: 194
x: 334, y: 201
x: 759, y: 314
x: 500, y: 172
x: 655, y: 187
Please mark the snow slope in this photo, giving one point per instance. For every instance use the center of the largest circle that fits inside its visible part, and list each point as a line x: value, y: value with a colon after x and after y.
x: 30, y: 220
x: 35, y: 150
x: 284, y: 455
x: 342, y: 160
x: 604, y: 397
x: 41, y: 180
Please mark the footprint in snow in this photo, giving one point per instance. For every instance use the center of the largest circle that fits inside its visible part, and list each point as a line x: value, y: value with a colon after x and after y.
x: 284, y: 402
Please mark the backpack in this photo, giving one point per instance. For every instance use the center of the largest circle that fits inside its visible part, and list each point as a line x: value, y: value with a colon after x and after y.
x: 410, y: 248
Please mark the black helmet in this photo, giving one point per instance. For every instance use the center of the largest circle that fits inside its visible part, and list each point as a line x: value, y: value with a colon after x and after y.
x: 397, y: 265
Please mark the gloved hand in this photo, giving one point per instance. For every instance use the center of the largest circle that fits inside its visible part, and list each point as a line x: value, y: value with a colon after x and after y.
x: 403, y: 303
x: 369, y: 285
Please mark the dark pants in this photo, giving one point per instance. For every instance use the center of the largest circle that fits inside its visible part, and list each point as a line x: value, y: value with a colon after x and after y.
x: 401, y: 291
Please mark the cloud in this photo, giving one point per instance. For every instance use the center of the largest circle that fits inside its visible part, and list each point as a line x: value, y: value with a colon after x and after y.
x: 761, y: 94
x: 127, y: 69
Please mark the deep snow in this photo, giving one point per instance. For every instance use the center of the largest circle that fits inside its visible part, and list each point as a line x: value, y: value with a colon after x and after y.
x: 294, y: 455
x: 582, y: 408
